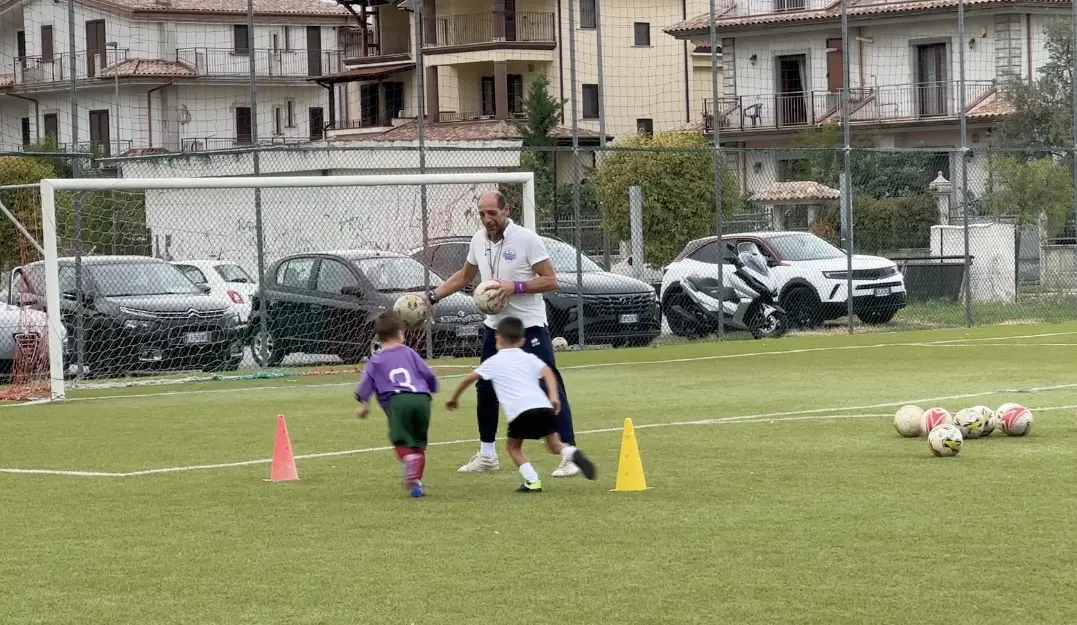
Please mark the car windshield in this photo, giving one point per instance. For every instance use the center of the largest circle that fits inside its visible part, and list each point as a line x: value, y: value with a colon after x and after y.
x: 124, y: 279
x: 233, y: 273
x: 803, y: 246
x: 396, y: 274
x: 563, y: 257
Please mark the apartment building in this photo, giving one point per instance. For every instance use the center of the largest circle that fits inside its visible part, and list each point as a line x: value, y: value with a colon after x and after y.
x: 167, y: 75
x: 479, y: 58
x: 783, y: 73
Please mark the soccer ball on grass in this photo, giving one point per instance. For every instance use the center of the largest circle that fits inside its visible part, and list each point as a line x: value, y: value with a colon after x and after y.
x: 412, y: 310
x: 560, y: 344
x: 945, y: 440
x: 486, y: 297
x: 1014, y: 419
x: 970, y: 421
x: 934, y: 417
x: 907, y: 421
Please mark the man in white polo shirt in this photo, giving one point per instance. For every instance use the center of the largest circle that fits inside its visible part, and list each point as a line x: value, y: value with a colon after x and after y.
x: 517, y: 258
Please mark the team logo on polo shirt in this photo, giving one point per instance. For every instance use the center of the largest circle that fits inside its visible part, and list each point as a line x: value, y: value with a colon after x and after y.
x: 509, y: 254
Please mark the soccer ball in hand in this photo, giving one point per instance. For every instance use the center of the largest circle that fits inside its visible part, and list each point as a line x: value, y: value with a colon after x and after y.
x: 1014, y: 419
x: 934, y: 417
x: 486, y: 297
x: 412, y: 310
x: 970, y: 421
x: 560, y: 344
x: 907, y: 421
x: 945, y: 440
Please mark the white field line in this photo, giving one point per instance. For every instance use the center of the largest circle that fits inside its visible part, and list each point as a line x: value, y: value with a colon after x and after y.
x: 816, y: 414
x: 600, y: 365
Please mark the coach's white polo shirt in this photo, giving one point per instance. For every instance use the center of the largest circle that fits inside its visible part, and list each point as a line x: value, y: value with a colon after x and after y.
x: 512, y: 258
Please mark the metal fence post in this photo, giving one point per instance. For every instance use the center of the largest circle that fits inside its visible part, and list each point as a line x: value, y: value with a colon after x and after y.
x: 635, y: 217
x: 581, y: 340
x: 964, y: 159
x: 846, y: 177
x: 420, y: 128
x: 719, y: 179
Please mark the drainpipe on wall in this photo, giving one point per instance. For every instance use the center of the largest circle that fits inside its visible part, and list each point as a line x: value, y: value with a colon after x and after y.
x: 37, y: 114
x: 860, y: 53
x: 149, y: 110
x: 1028, y: 44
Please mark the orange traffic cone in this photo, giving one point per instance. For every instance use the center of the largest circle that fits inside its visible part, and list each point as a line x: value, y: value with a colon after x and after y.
x: 283, y: 467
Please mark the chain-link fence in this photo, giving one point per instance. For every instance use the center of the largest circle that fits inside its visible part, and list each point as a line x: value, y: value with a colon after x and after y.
x: 696, y: 176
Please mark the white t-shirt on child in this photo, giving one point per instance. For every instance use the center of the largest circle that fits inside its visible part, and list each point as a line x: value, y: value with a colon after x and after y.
x: 515, y: 375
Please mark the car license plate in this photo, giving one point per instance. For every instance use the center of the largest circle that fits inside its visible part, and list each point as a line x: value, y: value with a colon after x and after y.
x: 197, y: 338
x: 467, y: 331
x: 883, y: 292
x: 629, y: 318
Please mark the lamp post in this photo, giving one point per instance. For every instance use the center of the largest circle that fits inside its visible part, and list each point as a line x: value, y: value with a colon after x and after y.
x: 116, y: 89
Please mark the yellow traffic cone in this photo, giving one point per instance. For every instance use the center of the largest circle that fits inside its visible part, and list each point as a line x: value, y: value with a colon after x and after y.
x: 630, y: 466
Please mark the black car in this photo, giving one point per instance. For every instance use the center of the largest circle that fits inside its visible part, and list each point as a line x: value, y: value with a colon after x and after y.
x: 138, y: 313
x: 325, y: 303
x: 617, y: 309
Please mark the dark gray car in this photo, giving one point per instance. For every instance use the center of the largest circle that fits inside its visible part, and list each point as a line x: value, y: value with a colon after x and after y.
x: 325, y: 303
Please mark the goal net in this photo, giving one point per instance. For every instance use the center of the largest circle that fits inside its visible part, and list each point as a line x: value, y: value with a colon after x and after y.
x: 160, y: 280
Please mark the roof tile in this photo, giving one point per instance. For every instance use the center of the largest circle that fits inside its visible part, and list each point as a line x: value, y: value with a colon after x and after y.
x: 798, y: 191
x: 484, y: 130
x: 327, y: 8
x: 132, y: 68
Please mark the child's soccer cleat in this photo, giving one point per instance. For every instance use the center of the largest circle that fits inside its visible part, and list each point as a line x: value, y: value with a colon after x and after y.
x: 530, y: 487
x: 418, y: 490
x: 479, y: 464
x: 584, y: 463
x: 567, y: 468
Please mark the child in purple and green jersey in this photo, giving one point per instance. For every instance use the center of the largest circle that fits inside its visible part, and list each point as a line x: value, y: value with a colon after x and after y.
x: 404, y: 385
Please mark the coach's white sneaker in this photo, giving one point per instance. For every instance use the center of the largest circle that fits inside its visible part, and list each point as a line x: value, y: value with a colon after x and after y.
x: 479, y: 464
x: 567, y: 468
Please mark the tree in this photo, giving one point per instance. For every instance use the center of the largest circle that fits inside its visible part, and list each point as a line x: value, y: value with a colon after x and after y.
x: 24, y: 204
x: 675, y: 170
x: 1027, y: 189
x: 542, y: 113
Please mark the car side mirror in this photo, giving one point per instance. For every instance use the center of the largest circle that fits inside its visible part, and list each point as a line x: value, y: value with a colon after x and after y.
x: 205, y: 288
x: 772, y: 263
x: 351, y: 291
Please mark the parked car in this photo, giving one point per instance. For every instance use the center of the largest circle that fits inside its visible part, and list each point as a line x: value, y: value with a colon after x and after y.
x: 617, y: 309
x: 138, y: 313
x: 23, y: 329
x: 325, y: 303
x: 809, y: 273
x: 226, y: 280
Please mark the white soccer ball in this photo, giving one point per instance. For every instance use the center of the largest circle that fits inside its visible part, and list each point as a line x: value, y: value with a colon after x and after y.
x: 970, y: 421
x: 989, y: 418
x: 486, y: 297
x: 945, y: 440
x: 907, y: 421
x: 559, y: 344
x: 934, y: 417
x: 412, y: 310
x: 1014, y: 419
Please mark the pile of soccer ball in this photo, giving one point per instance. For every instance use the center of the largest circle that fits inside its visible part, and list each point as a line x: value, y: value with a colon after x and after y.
x: 946, y: 432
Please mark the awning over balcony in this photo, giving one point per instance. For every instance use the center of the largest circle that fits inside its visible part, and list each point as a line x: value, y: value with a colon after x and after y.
x: 131, y: 68
x: 375, y: 72
x: 798, y: 192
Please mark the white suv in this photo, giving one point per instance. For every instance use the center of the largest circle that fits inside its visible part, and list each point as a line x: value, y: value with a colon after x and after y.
x: 809, y: 273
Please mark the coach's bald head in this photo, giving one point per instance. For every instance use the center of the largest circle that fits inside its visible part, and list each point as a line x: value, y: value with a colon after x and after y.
x: 494, y: 213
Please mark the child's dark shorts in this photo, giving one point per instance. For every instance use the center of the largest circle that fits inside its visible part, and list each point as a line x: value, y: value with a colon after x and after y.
x: 534, y: 424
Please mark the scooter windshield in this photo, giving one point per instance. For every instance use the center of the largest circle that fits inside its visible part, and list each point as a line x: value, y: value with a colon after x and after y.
x: 756, y: 263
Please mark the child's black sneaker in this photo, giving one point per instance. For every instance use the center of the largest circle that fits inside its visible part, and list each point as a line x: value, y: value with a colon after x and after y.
x: 584, y: 463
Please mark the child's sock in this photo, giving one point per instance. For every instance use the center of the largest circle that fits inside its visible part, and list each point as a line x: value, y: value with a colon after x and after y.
x: 529, y: 472
x: 566, y: 453
x: 402, y: 452
x: 487, y: 450
x: 420, y: 462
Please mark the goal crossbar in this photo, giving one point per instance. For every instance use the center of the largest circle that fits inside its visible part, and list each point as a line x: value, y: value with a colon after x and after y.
x: 50, y: 186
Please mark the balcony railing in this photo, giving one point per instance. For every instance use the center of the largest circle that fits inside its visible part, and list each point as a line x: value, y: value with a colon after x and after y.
x: 465, y: 116
x: 226, y: 62
x: 31, y: 70
x: 97, y: 148
x: 874, y: 105
x: 204, y: 144
x: 482, y: 28
x: 388, y: 43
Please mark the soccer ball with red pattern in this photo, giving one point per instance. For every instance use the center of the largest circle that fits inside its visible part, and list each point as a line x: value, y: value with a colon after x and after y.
x: 1014, y: 419
x: 934, y: 417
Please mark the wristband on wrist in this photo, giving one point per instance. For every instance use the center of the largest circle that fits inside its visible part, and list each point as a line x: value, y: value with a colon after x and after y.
x: 519, y: 286
x: 432, y: 297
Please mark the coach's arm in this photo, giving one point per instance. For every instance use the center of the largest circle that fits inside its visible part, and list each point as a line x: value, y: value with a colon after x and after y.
x: 545, y: 280
x: 455, y: 282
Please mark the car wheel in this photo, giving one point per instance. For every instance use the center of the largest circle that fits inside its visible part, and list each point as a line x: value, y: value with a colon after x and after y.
x: 677, y: 311
x: 803, y: 307
x: 878, y: 316
x: 267, y: 350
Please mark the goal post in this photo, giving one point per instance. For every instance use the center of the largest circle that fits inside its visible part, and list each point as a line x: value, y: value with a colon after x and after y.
x: 54, y: 191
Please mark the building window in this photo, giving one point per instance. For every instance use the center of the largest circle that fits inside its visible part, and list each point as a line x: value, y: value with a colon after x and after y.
x: 25, y: 123
x: 52, y: 126
x: 46, y: 44
x: 100, y: 142
x: 645, y: 126
x: 290, y: 116
x: 288, y: 38
x: 590, y: 101
x: 240, y: 37
x: 317, y: 123
x: 588, y: 15
x: 244, y: 126
x: 278, y: 120
x: 643, y: 34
